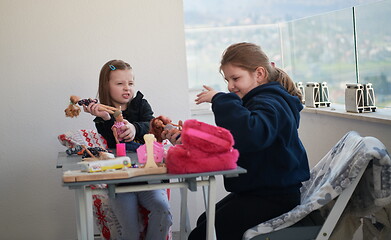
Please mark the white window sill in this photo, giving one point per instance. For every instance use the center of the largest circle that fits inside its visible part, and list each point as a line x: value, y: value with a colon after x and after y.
x: 196, y: 112
x: 380, y: 116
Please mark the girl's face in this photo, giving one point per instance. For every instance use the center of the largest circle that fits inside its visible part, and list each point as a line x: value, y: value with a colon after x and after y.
x: 121, y: 86
x: 241, y: 81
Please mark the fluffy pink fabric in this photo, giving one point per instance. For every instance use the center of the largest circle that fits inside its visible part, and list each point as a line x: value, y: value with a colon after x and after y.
x: 204, y: 148
x: 206, y: 137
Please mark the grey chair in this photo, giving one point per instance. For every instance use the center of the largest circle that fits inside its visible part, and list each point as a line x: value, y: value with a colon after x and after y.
x: 354, y: 177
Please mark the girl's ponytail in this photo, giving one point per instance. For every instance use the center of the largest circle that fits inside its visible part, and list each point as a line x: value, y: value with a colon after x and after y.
x: 283, y: 78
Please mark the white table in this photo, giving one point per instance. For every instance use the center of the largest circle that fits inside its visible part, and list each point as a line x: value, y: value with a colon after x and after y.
x: 183, y: 181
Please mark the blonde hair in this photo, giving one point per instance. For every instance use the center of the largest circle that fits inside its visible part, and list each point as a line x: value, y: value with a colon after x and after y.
x: 249, y: 56
x: 104, y: 77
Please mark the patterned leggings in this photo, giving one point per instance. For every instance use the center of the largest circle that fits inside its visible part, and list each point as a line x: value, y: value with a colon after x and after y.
x: 125, y: 207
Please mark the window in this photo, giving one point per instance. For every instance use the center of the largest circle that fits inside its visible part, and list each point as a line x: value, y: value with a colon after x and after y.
x: 321, y: 49
x: 348, y: 45
x: 374, y: 48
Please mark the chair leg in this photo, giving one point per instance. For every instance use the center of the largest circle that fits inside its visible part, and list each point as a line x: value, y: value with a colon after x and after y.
x: 339, y: 206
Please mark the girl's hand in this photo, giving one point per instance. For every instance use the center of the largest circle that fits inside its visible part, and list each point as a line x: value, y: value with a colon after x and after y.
x: 206, y: 95
x: 173, y: 135
x: 129, y: 131
x: 93, y: 109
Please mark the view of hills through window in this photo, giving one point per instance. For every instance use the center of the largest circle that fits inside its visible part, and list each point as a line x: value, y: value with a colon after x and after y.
x: 314, y: 41
x: 206, y: 13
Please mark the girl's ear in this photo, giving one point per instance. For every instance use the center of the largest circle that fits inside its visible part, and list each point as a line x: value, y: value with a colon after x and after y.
x: 261, y: 75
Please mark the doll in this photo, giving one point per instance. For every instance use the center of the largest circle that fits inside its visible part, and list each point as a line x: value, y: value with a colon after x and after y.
x: 96, y: 153
x: 116, y: 128
x: 161, y: 123
x: 73, y: 110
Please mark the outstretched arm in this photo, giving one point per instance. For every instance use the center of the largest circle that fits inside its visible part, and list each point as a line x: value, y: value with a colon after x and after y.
x: 94, y: 109
x: 206, y: 95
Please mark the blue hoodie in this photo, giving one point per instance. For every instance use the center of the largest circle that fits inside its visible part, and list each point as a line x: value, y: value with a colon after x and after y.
x: 264, y: 125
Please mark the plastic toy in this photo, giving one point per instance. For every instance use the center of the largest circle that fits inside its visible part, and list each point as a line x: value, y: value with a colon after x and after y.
x: 161, y: 123
x: 149, y: 139
x: 116, y: 128
x: 104, y: 165
x: 96, y: 153
x: 78, y: 149
x: 73, y: 110
x: 158, y: 153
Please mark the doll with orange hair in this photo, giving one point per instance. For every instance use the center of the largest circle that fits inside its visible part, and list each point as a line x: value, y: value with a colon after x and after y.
x: 163, y: 123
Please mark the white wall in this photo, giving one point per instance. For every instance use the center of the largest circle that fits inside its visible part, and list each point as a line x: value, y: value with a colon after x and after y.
x: 319, y: 133
x: 50, y: 50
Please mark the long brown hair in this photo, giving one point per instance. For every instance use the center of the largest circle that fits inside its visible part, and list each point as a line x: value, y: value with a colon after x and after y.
x: 249, y: 56
x: 104, y: 77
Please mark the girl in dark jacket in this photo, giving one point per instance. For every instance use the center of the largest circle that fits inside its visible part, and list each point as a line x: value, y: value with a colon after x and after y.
x: 262, y: 111
x: 116, y: 89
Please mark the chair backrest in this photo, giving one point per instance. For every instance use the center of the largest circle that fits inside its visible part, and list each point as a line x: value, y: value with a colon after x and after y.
x: 334, y: 173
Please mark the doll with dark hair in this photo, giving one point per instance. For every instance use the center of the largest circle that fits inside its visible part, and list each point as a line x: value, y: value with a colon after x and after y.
x: 73, y: 110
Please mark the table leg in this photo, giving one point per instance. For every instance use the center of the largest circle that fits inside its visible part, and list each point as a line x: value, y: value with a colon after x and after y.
x: 84, y: 218
x: 184, y: 222
x: 211, y: 209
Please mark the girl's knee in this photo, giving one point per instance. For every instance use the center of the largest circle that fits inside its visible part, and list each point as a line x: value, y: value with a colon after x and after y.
x: 163, y: 214
x: 160, y: 206
x: 168, y: 218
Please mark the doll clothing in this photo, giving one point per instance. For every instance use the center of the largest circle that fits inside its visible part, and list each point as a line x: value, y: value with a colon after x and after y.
x: 138, y: 112
x: 118, y: 126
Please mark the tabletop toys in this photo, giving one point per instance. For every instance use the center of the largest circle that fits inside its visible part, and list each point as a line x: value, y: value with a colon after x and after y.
x: 73, y: 109
x: 161, y: 123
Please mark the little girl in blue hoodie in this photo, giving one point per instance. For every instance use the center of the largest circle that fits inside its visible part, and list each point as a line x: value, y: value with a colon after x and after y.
x: 262, y: 111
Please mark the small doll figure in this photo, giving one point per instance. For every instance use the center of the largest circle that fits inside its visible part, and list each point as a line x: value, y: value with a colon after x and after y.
x: 96, y: 153
x: 116, y: 128
x: 73, y: 110
x: 161, y: 123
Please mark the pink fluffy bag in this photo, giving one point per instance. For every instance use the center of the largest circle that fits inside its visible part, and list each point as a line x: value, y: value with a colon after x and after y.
x: 204, y: 148
x: 206, y: 137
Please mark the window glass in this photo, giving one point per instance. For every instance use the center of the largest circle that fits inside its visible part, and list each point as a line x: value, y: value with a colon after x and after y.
x: 321, y: 49
x: 205, y: 46
x: 317, y: 48
x: 374, y: 48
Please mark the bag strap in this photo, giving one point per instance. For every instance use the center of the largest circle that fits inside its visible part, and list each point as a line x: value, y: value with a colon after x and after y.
x: 207, y: 137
